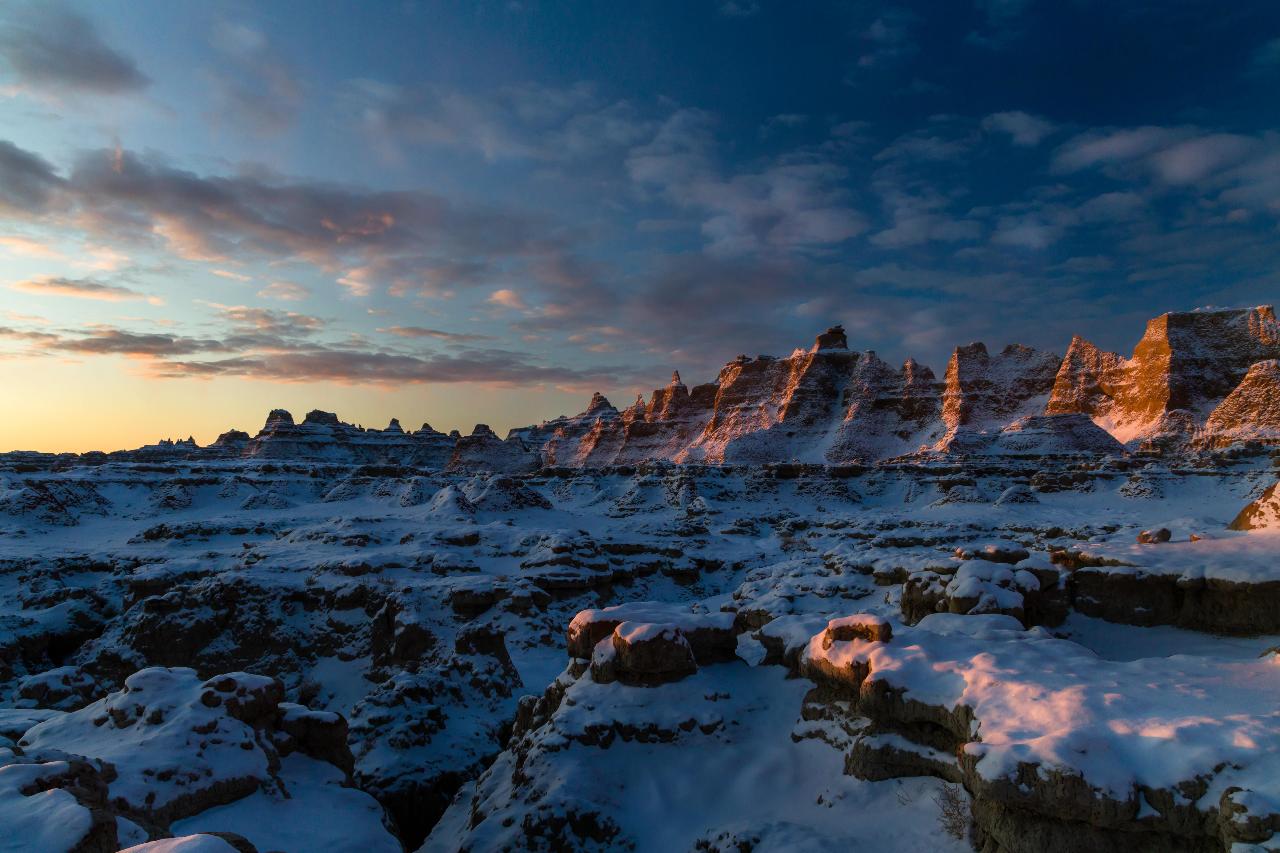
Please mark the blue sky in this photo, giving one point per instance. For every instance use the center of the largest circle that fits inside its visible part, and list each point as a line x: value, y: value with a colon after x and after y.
x: 484, y: 211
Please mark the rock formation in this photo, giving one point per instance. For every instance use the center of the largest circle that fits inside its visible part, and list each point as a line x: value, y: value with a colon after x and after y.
x: 1199, y: 381
x: 1250, y: 413
x: 1262, y: 514
x: 1183, y: 366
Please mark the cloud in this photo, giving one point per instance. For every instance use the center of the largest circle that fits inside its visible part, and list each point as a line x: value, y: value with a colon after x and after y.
x: 436, y: 334
x: 514, y: 122
x: 285, y: 347
x: 1025, y: 232
x: 781, y: 123
x: 121, y: 342
x: 27, y: 247
x: 28, y: 182
x: 203, y: 218
x: 51, y: 48
x: 1107, y: 147
x: 81, y: 288
x: 1004, y: 22
x: 508, y: 298
x: 253, y: 86
x: 1024, y: 130
x: 919, y: 212
x: 494, y: 367
x: 738, y: 8
x: 888, y: 39
x: 795, y: 201
x: 285, y: 291
x: 929, y: 144
x: 284, y: 324
x: 1267, y: 56
x: 1228, y: 168
x: 365, y: 238
x: 234, y: 276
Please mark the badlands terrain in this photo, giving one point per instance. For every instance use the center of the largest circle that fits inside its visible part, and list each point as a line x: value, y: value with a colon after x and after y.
x: 1028, y: 603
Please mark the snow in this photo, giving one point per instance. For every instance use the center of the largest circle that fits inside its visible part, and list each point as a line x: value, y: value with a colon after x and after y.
x: 1153, y: 722
x: 184, y: 844
x: 49, y: 821
x: 1236, y: 557
x: 165, y: 744
x: 739, y: 764
x: 422, y: 607
x: 311, y: 810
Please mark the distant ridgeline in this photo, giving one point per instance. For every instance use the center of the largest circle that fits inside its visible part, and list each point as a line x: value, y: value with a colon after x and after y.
x: 1197, y: 381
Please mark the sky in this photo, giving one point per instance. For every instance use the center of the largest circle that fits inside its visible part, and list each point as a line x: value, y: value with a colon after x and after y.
x: 461, y: 212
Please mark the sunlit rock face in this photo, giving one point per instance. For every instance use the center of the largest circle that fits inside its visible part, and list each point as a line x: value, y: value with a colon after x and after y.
x: 1189, y: 385
x: 778, y: 409
x: 1262, y: 514
x: 982, y: 392
x: 826, y: 404
x: 1184, y: 365
x: 1251, y: 412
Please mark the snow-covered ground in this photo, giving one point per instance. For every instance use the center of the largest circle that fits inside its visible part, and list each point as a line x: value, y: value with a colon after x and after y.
x: 322, y: 657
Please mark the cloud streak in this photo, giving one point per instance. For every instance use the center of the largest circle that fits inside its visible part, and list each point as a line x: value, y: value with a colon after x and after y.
x: 81, y: 288
x: 50, y: 48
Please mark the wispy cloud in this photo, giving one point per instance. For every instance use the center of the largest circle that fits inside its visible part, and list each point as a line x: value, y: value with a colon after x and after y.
x: 1023, y: 129
x: 508, y: 298
x: 82, y: 288
x: 794, y: 202
x: 285, y: 291
x: 254, y: 86
x: 50, y: 48
x: 435, y: 334
x: 738, y: 8
x: 29, y: 247
x: 28, y: 182
x: 514, y: 122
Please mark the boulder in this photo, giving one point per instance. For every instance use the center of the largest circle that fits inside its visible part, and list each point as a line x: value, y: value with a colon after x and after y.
x: 711, y: 636
x: 643, y: 653
x: 861, y: 626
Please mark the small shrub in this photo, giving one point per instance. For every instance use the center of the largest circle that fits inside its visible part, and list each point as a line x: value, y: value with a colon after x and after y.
x: 953, y: 812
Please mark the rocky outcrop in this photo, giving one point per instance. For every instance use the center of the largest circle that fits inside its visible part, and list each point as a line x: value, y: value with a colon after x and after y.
x: 1250, y: 413
x: 571, y: 440
x: 321, y: 437
x: 643, y: 653
x: 484, y: 451
x: 226, y: 735
x: 981, y: 391
x: 828, y: 404
x: 55, y: 805
x: 1085, y: 380
x: 889, y: 413
x: 711, y: 636
x: 1185, y: 364
x: 1261, y: 514
x: 950, y: 699
x: 769, y: 409
x: 1216, y: 605
x: 1037, y: 436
